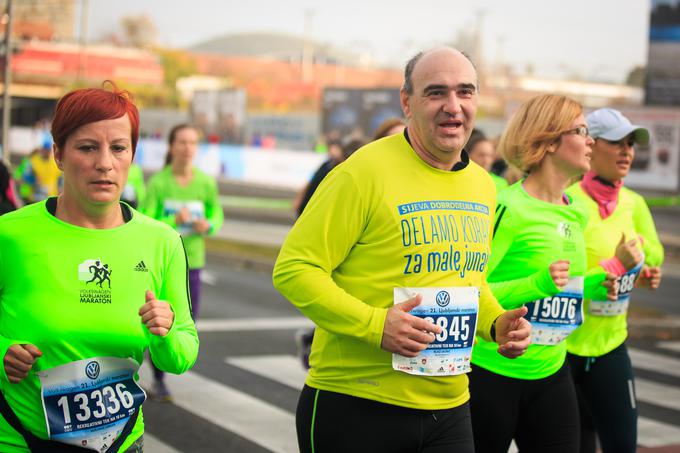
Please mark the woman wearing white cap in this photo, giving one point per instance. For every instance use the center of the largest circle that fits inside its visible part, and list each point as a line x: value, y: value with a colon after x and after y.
x: 621, y: 237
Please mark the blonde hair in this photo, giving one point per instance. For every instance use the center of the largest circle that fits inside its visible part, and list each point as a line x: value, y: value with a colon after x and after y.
x: 536, y: 127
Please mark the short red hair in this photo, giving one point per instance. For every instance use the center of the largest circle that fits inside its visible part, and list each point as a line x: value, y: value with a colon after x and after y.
x: 89, y: 105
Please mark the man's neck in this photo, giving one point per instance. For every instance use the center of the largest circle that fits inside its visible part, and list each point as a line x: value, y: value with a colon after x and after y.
x: 427, y: 156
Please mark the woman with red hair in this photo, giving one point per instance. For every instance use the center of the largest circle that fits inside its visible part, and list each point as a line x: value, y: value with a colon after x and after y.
x: 87, y: 285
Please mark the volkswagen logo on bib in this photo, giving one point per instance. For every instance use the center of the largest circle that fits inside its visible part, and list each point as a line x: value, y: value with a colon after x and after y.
x: 443, y: 298
x: 92, y: 370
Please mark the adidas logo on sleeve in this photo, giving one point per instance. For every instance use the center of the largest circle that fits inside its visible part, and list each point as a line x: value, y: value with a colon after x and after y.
x: 141, y: 267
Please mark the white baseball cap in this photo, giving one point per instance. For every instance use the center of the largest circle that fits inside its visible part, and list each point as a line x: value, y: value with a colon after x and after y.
x: 610, y: 124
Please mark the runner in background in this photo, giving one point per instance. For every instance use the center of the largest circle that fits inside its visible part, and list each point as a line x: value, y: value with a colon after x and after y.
x: 483, y: 152
x: 135, y: 188
x: 8, y: 201
x: 538, y: 260
x: 335, y: 156
x: 622, y: 238
x: 184, y: 197
x: 388, y: 127
x: 37, y: 175
x: 80, y: 306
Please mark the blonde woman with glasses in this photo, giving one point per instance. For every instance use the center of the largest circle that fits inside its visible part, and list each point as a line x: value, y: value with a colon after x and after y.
x: 538, y: 260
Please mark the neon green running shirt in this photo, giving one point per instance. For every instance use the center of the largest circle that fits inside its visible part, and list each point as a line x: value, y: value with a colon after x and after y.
x: 51, y: 297
x: 499, y: 182
x: 530, y: 234
x: 164, y: 198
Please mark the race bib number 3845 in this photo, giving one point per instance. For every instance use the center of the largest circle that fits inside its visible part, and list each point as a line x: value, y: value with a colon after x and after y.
x: 88, y: 402
x: 453, y: 309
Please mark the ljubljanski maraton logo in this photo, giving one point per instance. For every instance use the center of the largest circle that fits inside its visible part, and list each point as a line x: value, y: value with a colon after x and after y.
x: 92, y: 370
x: 564, y: 229
x: 97, y: 278
x: 443, y: 298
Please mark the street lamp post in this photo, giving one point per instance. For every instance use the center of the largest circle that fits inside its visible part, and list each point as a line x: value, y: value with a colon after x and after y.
x: 6, y: 98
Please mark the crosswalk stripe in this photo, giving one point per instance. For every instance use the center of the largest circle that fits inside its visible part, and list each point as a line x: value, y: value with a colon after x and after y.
x: 656, y: 434
x: 669, y: 345
x: 212, y: 401
x: 231, y: 409
x: 285, y: 369
x: 248, y: 324
x: 654, y: 362
x: 660, y: 395
x: 155, y: 445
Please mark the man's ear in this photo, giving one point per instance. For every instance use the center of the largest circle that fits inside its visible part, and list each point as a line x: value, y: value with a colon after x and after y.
x: 404, y: 99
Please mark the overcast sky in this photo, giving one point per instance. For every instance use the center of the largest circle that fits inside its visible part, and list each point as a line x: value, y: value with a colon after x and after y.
x: 595, y: 39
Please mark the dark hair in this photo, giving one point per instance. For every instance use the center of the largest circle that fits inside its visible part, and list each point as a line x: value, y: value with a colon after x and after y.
x: 408, y: 72
x: 352, y: 146
x: 385, y: 126
x: 172, y: 135
x: 411, y: 64
x: 89, y: 105
x: 476, y: 136
x: 5, y: 179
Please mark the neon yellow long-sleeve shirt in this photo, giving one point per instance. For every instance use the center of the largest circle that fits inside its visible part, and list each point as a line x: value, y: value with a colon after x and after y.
x: 381, y: 220
x: 601, y: 334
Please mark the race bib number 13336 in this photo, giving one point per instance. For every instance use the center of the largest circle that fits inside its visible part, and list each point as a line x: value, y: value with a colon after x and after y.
x: 88, y: 402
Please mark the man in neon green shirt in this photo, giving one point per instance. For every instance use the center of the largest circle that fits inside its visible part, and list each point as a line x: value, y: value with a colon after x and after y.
x: 404, y: 225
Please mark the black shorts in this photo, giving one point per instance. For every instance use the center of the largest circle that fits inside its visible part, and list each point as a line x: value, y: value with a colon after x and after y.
x: 606, y: 394
x: 541, y: 414
x: 329, y: 422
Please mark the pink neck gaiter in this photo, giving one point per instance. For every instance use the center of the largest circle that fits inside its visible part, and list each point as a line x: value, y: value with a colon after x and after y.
x: 605, y: 194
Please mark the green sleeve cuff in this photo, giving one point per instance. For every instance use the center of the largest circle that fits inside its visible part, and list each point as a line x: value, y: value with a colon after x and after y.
x: 592, y: 284
x: 515, y: 293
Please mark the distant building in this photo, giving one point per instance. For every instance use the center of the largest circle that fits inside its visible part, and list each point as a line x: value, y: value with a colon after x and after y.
x: 44, y: 20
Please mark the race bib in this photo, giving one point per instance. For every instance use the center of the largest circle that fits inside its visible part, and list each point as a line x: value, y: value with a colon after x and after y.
x: 88, y: 402
x: 196, y: 211
x: 554, y: 318
x: 626, y: 283
x: 454, y: 309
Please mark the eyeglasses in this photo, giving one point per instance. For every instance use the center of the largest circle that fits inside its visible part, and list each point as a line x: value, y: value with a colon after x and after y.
x: 580, y: 130
x: 626, y: 141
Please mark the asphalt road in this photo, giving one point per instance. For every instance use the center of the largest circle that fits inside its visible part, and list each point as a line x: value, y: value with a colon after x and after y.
x: 241, y: 395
